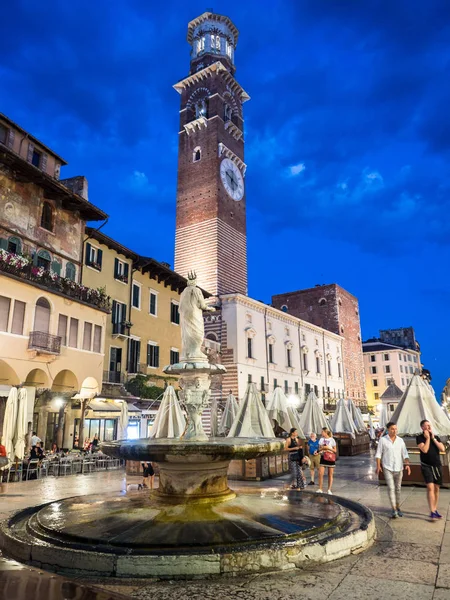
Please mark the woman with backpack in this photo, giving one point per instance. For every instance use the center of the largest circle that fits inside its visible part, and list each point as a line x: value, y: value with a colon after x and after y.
x: 327, y: 451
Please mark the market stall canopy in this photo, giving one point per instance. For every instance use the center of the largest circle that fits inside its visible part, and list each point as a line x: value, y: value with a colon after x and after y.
x: 229, y: 414
x: 418, y: 403
x: 384, y: 417
x: 372, y: 433
x: 169, y: 421
x: 312, y: 419
x: 9, y: 425
x: 22, y: 423
x: 342, y: 420
x: 252, y: 420
x: 356, y: 416
x: 278, y: 409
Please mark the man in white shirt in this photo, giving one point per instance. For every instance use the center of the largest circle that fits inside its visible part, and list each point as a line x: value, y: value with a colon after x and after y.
x: 391, y: 458
x: 35, y: 439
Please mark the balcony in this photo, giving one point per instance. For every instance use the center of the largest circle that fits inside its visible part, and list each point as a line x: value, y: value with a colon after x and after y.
x: 113, y: 377
x: 22, y: 268
x: 44, y: 343
x: 121, y: 329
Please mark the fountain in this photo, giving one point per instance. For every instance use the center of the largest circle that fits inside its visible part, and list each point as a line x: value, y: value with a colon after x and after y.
x: 193, y: 524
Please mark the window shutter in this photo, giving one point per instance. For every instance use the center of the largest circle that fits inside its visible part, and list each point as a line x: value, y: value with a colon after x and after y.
x: 10, y: 138
x: 87, y: 258
x: 126, y: 271
x: 148, y: 355
x: 114, y: 311
x: 116, y: 267
x: 156, y: 356
x: 99, y: 258
x: 30, y: 152
x: 44, y: 159
x: 56, y: 267
x: 35, y: 258
x: 3, y: 244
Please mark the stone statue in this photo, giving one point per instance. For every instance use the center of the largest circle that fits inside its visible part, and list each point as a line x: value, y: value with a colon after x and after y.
x: 192, y: 305
x: 197, y: 399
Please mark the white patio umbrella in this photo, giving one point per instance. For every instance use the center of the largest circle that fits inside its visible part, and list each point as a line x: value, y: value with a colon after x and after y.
x: 228, y: 415
x: 342, y: 420
x: 384, y: 418
x: 252, y: 420
x: 279, y: 410
x: 372, y: 434
x: 22, y: 423
x: 169, y: 420
x: 312, y: 419
x: 123, y: 420
x: 214, y: 417
x: 356, y: 416
x: 9, y: 425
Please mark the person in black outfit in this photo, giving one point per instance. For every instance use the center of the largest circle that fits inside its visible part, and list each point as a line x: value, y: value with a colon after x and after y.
x: 148, y: 474
x: 95, y: 443
x: 430, y: 462
x: 296, y: 457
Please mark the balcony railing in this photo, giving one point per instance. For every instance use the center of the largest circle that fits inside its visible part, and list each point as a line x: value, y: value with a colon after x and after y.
x: 23, y: 268
x: 113, y: 377
x: 44, y: 342
x: 121, y: 329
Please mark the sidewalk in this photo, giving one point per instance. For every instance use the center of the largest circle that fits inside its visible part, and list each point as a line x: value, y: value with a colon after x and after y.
x: 410, y: 558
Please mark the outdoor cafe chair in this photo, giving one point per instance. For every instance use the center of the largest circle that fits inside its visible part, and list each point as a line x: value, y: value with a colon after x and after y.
x: 15, y: 472
x: 65, y: 466
x: 33, y: 467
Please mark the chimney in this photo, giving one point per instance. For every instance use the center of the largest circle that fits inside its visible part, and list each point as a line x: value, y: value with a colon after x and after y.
x: 78, y: 185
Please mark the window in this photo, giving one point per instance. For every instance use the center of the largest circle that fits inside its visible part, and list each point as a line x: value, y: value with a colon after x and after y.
x: 97, y: 345
x: 376, y: 396
x: 275, y: 383
x: 118, y: 317
x: 174, y: 356
x: 200, y: 109
x: 373, y: 370
x: 339, y: 370
x: 403, y: 381
x: 409, y: 357
x: 174, y: 313
x: 296, y: 388
x: 70, y: 271
x: 286, y: 386
x: 73, y: 333
x: 152, y: 355
x: 271, y: 353
x: 401, y: 368
x: 42, y: 315
x: 373, y: 357
x: 43, y: 260
x: 3, y: 134
x: 200, y: 44
x: 322, y: 302
x: 197, y: 154
x: 284, y: 308
x: 36, y: 158
x: 94, y: 257
x: 121, y: 270
x: 153, y: 303
x: 263, y: 385
x: 288, y: 357
x: 415, y: 359
x: 18, y: 317
x: 5, y: 304
x: 375, y: 382
x: 249, y: 347
x: 387, y: 368
x: 228, y: 49
x: 317, y: 365
x: 329, y: 367
x: 411, y: 370
x: 215, y: 42
x: 227, y: 113
x: 14, y: 245
x: 136, y: 299
x: 87, y: 336
x: 62, y: 329
x: 249, y: 378
x: 305, y: 362
x: 385, y: 356
x: 47, y: 216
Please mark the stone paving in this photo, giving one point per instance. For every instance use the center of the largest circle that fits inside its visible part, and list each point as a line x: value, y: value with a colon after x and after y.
x: 410, y: 558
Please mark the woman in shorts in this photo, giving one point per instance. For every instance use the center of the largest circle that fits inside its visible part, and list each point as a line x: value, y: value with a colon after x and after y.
x: 148, y: 474
x: 327, y: 451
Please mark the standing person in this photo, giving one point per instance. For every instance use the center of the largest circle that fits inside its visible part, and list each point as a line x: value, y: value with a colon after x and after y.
x: 296, y: 456
x: 327, y: 451
x: 314, y: 456
x: 392, y: 457
x: 148, y: 473
x: 430, y: 463
x: 95, y: 443
x: 35, y: 439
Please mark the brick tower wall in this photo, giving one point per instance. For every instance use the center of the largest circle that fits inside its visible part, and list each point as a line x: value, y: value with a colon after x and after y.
x: 334, y: 309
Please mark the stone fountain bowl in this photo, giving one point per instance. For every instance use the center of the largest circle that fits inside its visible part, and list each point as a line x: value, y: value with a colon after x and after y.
x: 193, y: 471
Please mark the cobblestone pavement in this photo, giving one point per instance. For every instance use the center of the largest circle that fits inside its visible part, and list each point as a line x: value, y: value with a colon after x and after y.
x: 410, y: 558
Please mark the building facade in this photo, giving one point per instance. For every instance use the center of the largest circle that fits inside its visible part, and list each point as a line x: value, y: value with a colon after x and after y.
x: 384, y: 363
x: 211, y: 207
x: 336, y: 310
x: 52, y: 329
x: 261, y: 344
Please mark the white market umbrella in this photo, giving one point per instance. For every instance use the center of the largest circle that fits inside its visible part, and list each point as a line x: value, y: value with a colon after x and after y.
x: 342, y: 420
x: 372, y: 433
x: 9, y: 425
x: 214, y: 417
x: 312, y: 419
x: 252, y: 420
x: 123, y: 420
x: 22, y: 424
x: 418, y: 403
x: 384, y: 417
x: 228, y: 415
x: 279, y: 410
x: 169, y: 421
x: 356, y: 416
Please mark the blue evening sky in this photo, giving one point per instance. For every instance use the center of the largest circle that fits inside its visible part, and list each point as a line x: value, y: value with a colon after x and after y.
x: 347, y: 137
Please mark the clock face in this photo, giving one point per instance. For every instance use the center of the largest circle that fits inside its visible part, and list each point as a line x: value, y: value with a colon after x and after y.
x: 232, y: 179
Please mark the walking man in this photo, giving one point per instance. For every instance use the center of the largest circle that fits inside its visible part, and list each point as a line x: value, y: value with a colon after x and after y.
x: 314, y: 456
x: 392, y: 457
x: 430, y: 463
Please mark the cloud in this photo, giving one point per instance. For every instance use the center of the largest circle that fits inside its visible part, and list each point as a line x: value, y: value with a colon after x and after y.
x: 295, y: 170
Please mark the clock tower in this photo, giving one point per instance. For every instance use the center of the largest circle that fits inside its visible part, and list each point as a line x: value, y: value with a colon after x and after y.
x: 211, y: 218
